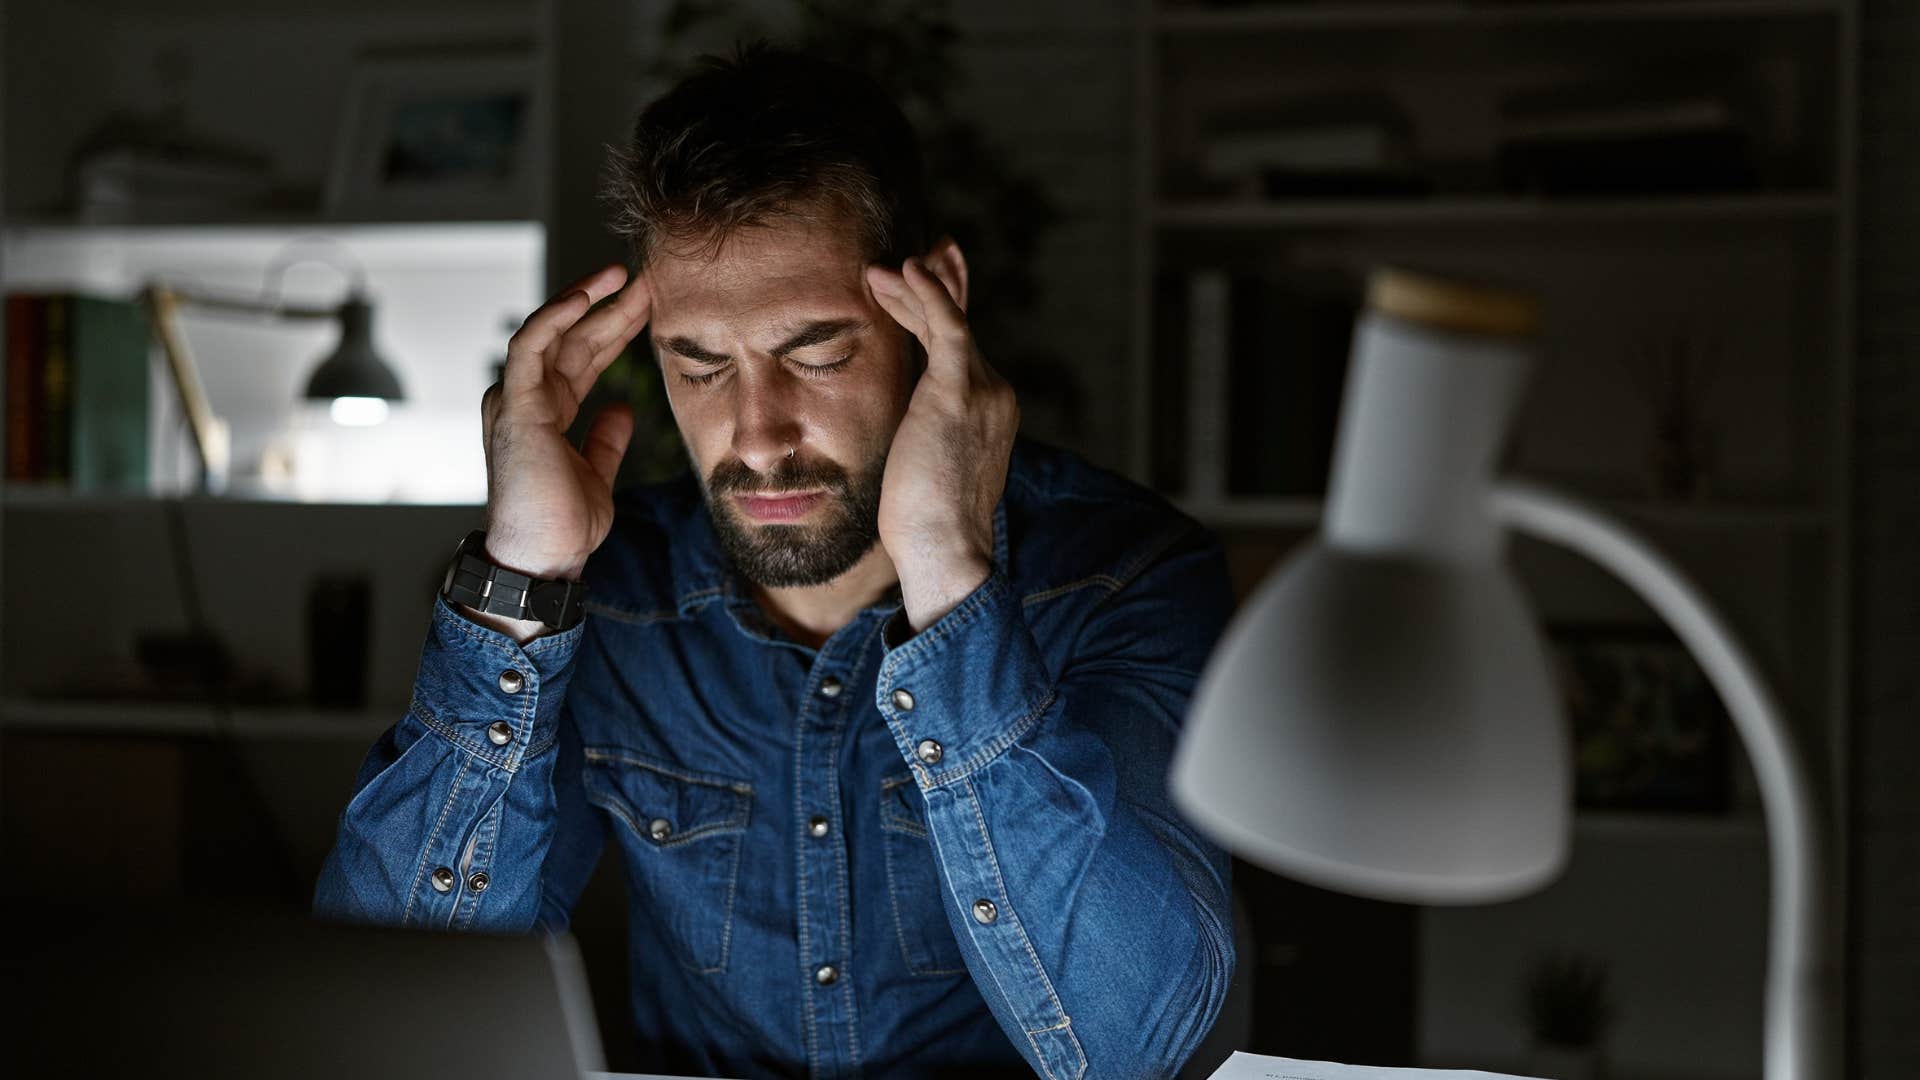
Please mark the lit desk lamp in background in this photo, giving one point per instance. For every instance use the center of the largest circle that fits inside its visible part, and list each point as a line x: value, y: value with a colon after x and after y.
x: 353, y: 378
x: 1380, y: 717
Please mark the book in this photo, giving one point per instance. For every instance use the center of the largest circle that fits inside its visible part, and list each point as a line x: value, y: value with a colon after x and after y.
x: 111, y: 348
x: 1342, y: 148
x: 1291, y: 333
x: 56, y: 385
x: 1209, y: 354
x: 1628, y: 138
x: 23, y: 378
x: 1245, y: 1066
x: 77, y: 381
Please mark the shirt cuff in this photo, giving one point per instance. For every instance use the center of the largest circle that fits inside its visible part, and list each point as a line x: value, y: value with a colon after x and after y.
x: 488, y: 694
x: 959, y: 693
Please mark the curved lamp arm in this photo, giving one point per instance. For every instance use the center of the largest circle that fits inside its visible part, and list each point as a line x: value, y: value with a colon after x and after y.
x: 1797, y: 962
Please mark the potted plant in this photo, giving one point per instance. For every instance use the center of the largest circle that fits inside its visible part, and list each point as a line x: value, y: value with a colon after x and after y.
x: 1568, y: 1009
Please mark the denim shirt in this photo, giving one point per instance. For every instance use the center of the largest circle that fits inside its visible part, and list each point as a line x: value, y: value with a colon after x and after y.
x: 896, y: 854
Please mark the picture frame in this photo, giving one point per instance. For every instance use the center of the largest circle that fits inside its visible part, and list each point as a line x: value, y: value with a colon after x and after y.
x: 450, y: 134
x: 1649, y: 731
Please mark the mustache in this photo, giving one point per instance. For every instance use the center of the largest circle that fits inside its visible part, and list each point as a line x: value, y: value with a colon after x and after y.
x: 736, y: 476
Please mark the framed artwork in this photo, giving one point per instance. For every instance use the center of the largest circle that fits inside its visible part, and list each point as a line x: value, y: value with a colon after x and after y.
x: 438, y: 136
x: 1649, y: 731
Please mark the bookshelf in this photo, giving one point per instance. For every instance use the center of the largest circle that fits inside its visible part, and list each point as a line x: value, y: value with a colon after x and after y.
x: 1757, y: 270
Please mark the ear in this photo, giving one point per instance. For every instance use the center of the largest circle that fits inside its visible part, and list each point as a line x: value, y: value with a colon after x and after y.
x: 950, y: 266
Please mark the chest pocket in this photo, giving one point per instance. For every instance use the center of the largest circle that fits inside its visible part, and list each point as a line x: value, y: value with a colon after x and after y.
x: 914, y: 884
x: 683, y: 833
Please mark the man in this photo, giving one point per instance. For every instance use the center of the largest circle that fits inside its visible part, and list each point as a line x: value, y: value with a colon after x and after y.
x: 875, y: 705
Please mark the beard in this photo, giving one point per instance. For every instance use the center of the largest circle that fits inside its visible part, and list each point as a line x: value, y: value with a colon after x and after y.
x: 789, y: 556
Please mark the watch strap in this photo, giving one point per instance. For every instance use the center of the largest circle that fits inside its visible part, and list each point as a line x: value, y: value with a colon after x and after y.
x: 483, y: 585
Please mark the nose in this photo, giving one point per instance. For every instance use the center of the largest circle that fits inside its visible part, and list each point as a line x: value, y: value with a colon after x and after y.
x: 764, y: 420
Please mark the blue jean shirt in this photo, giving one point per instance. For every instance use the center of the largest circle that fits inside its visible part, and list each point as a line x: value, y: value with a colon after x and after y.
x: 896, y: 854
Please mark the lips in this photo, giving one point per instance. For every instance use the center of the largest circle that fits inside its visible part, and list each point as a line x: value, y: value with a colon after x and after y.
x: 780, y: 507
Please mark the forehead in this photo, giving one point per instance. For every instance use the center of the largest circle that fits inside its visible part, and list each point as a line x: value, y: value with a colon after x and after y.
x: 762, y: 276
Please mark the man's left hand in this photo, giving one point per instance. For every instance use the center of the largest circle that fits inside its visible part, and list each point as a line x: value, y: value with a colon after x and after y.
x: 948, y: 463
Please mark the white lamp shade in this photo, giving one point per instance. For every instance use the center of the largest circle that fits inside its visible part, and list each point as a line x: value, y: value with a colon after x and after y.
x: 1385, y: 727
x: 1381, y: 717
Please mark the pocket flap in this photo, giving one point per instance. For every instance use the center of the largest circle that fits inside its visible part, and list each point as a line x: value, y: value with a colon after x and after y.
x: 663, y: 804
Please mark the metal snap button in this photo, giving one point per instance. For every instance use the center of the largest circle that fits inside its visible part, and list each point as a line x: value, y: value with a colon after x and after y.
x: 830, y: 687
x: 929, y: 752
x: 659, y: 828
x: 443, y: 879
x: 984, y: 912
x: 817, y: 826
x: 903, y: 701
x: 477, y: 881
x: 825, y: 974
x: 499, y: 733
x: 511, y: 681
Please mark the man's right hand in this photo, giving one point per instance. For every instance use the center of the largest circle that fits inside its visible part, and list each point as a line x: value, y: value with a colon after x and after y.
x: 548, y: 505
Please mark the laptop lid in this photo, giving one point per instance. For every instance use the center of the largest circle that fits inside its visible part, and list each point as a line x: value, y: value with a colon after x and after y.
x: 241, y: 994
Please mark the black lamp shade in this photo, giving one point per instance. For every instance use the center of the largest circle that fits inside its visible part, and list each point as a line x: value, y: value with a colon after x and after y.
x: 354, y: 369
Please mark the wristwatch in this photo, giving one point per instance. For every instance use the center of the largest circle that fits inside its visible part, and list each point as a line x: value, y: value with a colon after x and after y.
x: 476, y: 581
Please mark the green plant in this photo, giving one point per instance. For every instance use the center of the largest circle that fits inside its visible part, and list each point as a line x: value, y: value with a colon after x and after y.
x: 1567, y: 1002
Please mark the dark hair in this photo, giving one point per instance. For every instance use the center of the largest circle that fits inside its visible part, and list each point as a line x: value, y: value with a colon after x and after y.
x: 765, y: 135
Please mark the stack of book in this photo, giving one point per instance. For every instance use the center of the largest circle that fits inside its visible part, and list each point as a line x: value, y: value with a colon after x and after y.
x: 1327, y: 147
x: 1606, y: 138
x: 77, y: 391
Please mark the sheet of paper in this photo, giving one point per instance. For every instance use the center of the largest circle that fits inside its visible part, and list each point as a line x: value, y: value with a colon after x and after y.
x: 1245, y: 1066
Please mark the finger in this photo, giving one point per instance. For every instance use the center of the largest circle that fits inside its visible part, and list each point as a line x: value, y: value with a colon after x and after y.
x: 944, y: 317
x: 607, y: 439
x: 527, y: 349
x: 615, y: 323
x: 891, y: 291
x: 594, y: 284
x: 602, y: 335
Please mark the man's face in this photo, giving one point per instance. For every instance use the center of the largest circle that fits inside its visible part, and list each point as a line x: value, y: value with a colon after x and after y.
x: 787, y: 381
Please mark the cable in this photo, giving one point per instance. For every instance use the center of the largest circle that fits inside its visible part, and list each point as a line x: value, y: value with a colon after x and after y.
x: 280, y: 874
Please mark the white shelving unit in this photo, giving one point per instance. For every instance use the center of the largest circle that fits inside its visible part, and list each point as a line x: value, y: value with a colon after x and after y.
x: 1764, y: 273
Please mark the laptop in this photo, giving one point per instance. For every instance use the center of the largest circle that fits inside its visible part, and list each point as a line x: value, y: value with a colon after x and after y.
x: 239, y: 993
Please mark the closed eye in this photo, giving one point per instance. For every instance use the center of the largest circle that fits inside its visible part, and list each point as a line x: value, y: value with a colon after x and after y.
x: 813, y: 371
x: 821, y: 370
x: 701, y: 380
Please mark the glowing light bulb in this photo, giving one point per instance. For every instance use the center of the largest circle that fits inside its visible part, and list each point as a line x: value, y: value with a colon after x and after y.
x: 358, y: 411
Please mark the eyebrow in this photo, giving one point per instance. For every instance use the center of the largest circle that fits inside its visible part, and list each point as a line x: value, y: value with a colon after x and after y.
x: 817, y: 332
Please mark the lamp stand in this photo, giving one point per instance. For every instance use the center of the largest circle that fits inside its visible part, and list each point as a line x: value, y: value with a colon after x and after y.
x: 1799, y: 980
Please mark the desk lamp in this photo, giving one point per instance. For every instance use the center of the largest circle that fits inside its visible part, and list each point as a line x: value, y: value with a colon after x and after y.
x: 1380, y: 717
x: 353, y: 379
